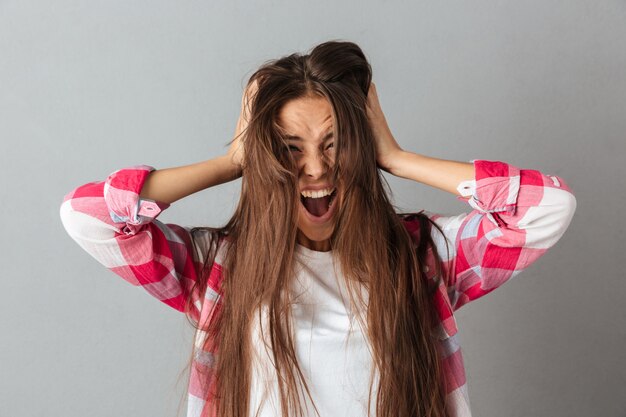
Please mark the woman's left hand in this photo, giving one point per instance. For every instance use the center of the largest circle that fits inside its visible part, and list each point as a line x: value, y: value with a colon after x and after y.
x: 387, y: 148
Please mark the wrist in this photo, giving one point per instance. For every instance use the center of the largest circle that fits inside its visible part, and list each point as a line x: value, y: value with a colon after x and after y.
x: 231, y: 167
x: 396, y: 162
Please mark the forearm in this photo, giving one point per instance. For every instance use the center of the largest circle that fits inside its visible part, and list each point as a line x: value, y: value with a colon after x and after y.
x: 440, y: 173
x: 171, y: 184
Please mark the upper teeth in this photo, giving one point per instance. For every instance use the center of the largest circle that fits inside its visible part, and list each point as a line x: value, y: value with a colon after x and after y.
x: 318, y: 193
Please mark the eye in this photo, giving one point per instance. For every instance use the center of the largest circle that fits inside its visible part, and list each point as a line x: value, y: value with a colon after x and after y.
x: 330, y: 145
x: 293, y: 148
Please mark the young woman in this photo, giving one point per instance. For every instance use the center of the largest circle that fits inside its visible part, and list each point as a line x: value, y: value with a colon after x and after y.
x: 317, y: 298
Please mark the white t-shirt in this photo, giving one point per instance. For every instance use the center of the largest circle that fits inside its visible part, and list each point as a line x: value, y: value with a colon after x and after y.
x: 334, y: 358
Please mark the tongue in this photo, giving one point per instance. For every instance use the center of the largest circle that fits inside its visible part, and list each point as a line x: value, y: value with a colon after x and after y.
x: 317, y: 206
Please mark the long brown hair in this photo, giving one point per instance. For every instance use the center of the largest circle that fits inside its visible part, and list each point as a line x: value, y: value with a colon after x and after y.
x: 374, y: 249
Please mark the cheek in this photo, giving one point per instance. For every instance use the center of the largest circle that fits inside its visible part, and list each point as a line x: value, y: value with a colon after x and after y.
x: 331, y: 157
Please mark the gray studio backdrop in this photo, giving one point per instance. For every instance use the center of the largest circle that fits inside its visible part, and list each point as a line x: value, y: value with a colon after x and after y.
x: 88, y: 87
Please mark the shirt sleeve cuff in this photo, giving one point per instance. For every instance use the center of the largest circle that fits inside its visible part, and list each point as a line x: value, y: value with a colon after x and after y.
x: 494, y: 188
x: 121, y: 194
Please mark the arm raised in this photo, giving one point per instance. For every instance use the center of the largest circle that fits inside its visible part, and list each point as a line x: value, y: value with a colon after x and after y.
x: 439, y: 173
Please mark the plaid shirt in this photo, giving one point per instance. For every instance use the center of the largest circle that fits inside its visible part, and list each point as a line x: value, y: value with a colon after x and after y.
x: 517, y: 215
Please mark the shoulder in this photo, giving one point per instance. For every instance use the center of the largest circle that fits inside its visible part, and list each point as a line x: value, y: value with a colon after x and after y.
x: 211, y: 248
x: 417, y: 224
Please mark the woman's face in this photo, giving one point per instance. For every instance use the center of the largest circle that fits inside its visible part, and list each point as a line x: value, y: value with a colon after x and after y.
x: 308, y: 123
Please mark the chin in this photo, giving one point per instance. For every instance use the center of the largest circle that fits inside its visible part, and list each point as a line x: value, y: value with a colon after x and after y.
x: 314, y: 238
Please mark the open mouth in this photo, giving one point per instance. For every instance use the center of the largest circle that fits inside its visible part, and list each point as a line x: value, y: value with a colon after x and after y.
x: 318, y: 206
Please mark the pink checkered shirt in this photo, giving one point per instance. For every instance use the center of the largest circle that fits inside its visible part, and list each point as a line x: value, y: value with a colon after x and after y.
x: 517, y: 215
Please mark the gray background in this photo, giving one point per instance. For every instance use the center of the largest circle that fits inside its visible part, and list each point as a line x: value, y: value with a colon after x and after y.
x: 90, y: 87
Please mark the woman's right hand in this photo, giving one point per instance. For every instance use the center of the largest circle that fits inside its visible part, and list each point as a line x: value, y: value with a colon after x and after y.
x: 236, y: 149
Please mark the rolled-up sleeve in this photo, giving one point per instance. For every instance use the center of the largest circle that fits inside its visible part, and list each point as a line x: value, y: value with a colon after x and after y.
x: 119, y: 229
x: 517, y: 215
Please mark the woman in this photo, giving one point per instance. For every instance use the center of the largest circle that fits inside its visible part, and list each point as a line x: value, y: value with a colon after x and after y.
x: 317, y: 298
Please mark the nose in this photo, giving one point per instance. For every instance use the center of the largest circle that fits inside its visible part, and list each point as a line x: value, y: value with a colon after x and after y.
x: 314, y: 166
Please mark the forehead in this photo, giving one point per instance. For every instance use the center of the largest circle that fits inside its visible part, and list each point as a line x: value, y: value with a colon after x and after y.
x: 306, y: 116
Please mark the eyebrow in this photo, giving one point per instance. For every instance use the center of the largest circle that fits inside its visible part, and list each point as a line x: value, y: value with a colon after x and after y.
x: 298, y: 138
